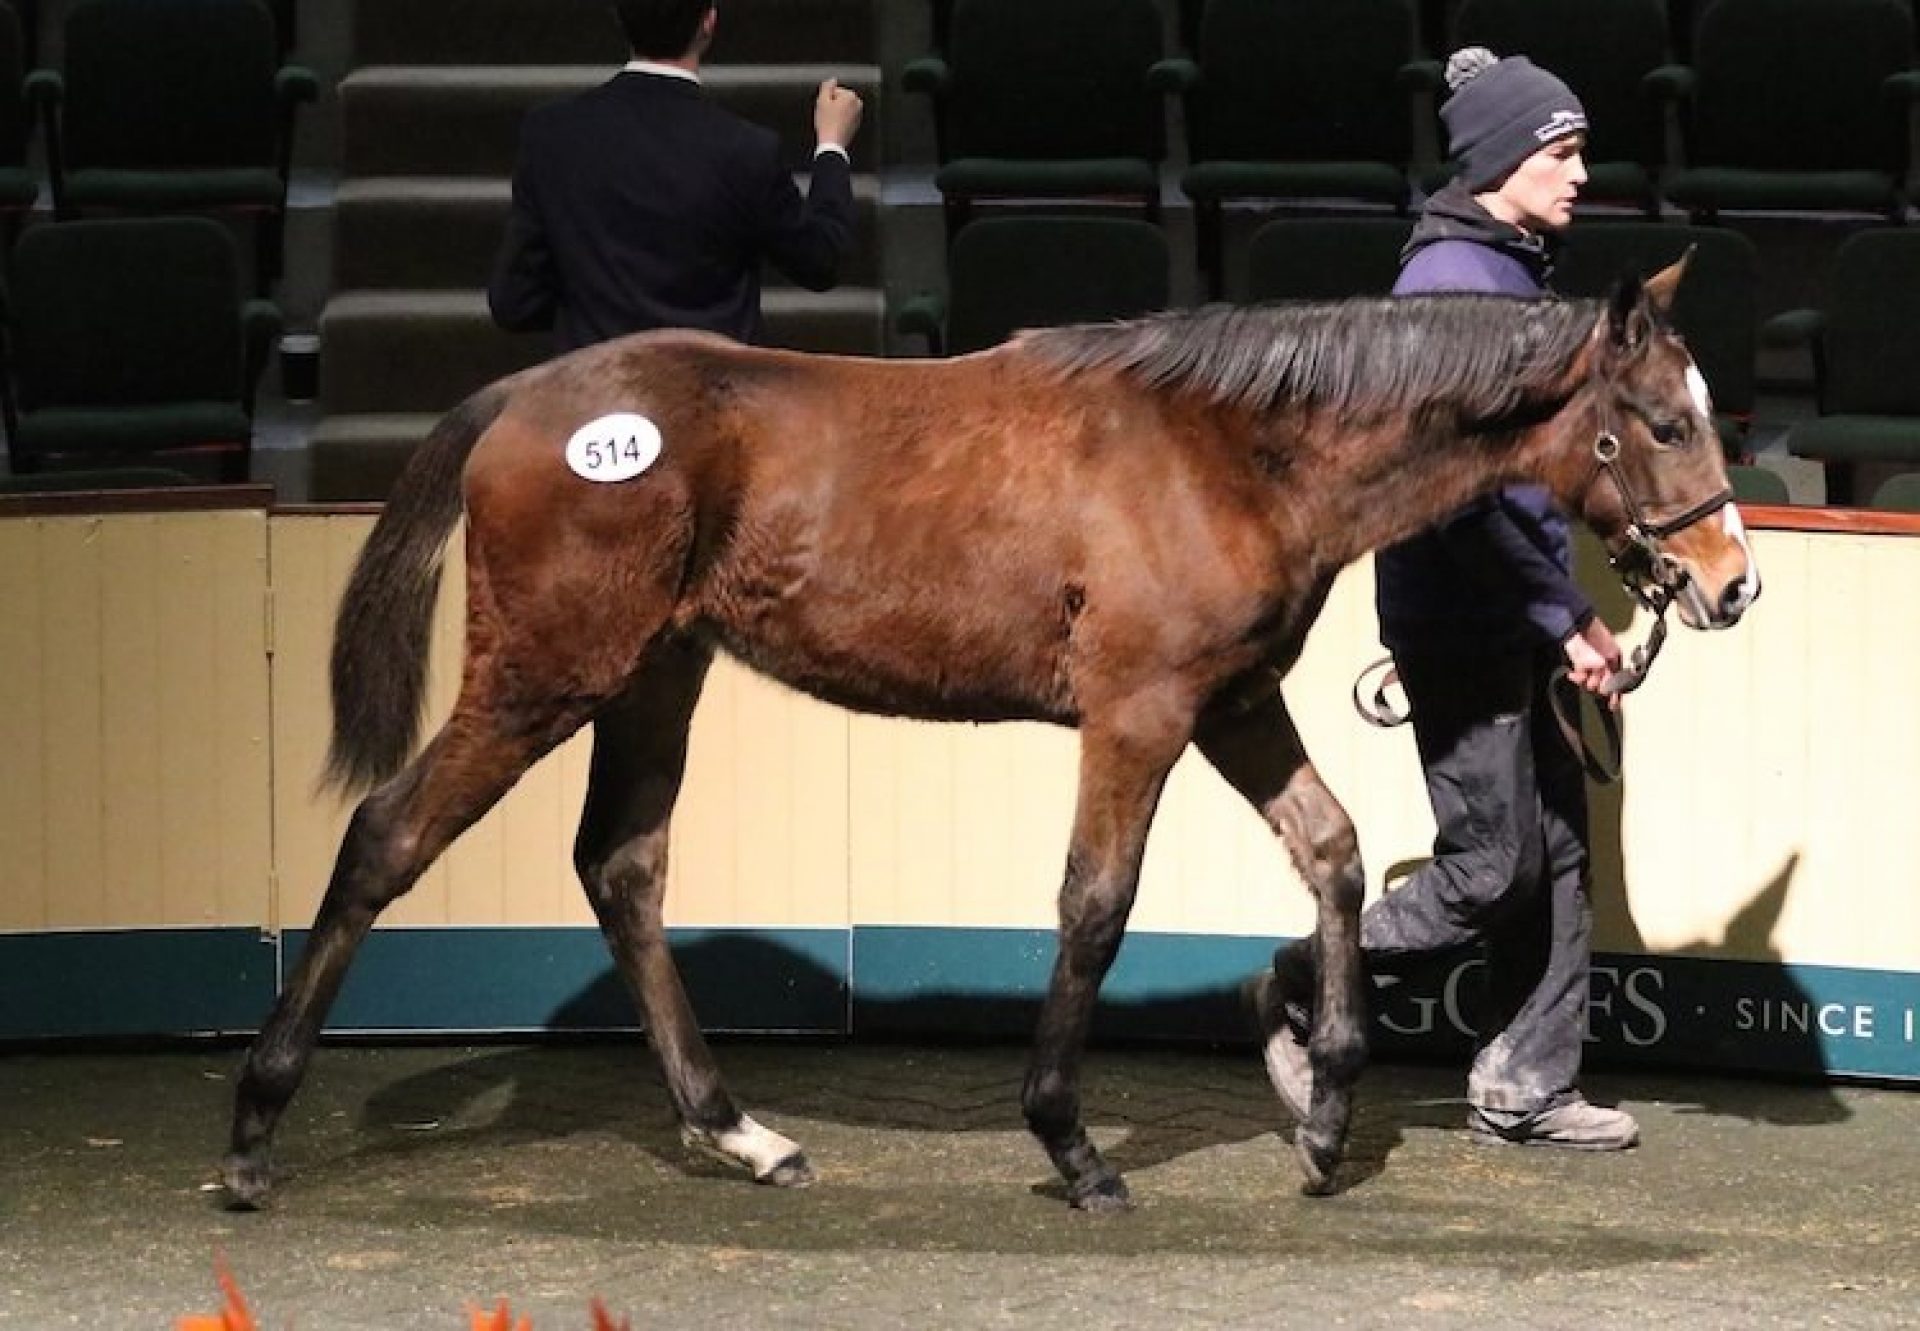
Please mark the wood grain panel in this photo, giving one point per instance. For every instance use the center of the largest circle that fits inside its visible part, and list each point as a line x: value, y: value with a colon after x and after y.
x: 24, y: 905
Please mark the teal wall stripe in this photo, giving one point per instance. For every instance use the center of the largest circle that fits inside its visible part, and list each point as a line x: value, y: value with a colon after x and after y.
x: 1689, y: 1012
x: 563, y: 979
x: 1645, y: 1011
x: 133, y: 982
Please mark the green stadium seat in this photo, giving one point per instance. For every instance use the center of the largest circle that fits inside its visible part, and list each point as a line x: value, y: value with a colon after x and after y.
x: 1009, y: 273
x: 130, y: 339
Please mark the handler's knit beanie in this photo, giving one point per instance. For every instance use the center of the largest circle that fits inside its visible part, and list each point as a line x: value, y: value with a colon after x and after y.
x: 1502, y: 112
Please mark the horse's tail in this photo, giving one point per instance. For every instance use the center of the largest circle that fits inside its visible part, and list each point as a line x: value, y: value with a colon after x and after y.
x: 380, y: 634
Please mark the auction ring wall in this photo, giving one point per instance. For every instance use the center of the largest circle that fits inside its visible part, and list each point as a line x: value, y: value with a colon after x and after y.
x: 163, y: 843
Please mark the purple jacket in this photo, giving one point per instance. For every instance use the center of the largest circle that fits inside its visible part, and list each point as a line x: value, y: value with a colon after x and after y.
x: 1496, y: 575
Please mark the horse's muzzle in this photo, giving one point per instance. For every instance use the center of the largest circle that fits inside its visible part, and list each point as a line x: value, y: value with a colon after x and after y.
x: 1699, y: 611
x: 1736, y: 595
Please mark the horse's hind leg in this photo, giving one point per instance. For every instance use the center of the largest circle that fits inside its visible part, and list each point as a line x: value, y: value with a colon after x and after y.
x: 1123, y: 765
x: 1258, y: 750
x: 395, y: 834
x: 639, y: 755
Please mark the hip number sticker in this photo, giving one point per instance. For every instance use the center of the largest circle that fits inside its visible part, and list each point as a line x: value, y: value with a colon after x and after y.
x: 614, y: 448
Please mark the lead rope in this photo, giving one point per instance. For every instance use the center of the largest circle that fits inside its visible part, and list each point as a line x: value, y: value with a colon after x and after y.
x: 1601, y: 765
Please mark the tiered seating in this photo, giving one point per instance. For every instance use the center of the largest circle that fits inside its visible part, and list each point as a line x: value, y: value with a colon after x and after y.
x: 18, y: 185
x: 1301, y: 100
x: 1797, y: 105
x: 174, y: 106
x: 1321, y: 107
x: 430, y: 124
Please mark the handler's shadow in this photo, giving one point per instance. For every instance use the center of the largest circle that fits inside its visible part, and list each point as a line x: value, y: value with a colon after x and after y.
x: 1705, y: 977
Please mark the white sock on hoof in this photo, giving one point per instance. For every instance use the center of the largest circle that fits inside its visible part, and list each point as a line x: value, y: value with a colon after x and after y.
x: 759, y: 1149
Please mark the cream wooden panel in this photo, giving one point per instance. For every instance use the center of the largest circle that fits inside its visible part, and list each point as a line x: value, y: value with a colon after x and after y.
x: 23, y: 729
x: 959, y: 824
x: 136, y: 724
x: 760, y: 830
x: 71, y: 757
x: 130, y: 708
x: 309, y: 557
x: 1772, y: 768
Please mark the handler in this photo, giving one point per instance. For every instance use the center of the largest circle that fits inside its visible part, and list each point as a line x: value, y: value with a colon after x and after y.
x: 1479, y: 611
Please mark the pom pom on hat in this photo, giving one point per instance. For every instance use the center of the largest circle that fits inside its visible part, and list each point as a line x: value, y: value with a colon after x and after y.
x: 1466, y: 63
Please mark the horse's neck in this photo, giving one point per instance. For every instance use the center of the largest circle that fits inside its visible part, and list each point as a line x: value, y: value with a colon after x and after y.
x: 1416, y: 477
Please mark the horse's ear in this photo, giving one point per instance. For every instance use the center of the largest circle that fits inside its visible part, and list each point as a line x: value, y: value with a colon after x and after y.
x: 1625, y: 319
x: 1660, y: 288
x: 1637, y: 306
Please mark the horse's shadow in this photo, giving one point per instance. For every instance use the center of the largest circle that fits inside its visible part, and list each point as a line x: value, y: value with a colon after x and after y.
x: 945, y: 1063
x: 962, y: 1071
x: 507, y: 1096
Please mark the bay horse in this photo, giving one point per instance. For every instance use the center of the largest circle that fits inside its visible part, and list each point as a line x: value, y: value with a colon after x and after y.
x: 1123, y: 528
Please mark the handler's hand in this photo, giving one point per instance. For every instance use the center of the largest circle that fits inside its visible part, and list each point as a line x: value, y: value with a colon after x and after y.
x: 836, y: 114
x: 1592, y: 657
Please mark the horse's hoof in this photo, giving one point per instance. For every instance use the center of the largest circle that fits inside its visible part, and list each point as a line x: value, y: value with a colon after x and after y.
x: 247, y: 1183
x: 1317, y: 1165
x: 1107, y: 1195
x: 790, y: 1172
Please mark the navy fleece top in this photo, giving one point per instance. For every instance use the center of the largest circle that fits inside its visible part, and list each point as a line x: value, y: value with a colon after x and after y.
x: 1496, y: 575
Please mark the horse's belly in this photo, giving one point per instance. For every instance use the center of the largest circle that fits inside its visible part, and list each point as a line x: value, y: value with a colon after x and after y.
x: 904, y: 675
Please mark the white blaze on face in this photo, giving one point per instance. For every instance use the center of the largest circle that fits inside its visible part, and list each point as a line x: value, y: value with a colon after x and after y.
x: 1697, y: 385
x: 1737, y: 533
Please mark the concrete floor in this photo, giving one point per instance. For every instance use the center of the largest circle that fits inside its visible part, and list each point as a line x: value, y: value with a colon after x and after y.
x: 421, y: 1182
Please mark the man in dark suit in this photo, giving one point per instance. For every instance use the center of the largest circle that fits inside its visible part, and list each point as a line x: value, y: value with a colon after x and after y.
x: 641, y: 204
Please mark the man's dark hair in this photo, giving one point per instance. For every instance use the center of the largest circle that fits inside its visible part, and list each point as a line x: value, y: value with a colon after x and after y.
x: 661, y: 29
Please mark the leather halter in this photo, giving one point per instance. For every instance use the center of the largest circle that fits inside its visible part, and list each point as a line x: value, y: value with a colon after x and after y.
x: 1654, y: 577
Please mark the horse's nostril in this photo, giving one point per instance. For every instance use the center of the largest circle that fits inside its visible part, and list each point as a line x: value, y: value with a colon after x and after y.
x: 1734, y: 600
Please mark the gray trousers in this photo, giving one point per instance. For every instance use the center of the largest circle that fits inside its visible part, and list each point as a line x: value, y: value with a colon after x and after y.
x: 1509, y: 869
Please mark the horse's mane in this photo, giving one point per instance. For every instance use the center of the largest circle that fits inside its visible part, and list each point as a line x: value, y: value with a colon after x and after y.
x: 1485, y: 356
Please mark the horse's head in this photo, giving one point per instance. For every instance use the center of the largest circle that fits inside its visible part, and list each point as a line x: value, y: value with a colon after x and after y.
x: 1656, y: 491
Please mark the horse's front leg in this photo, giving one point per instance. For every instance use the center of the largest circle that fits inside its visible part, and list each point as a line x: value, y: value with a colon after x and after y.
x: 1123, y: 765
x: 1257, y: 749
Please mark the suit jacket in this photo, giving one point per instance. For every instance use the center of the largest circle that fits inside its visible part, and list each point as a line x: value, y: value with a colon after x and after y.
x: 640, y: 204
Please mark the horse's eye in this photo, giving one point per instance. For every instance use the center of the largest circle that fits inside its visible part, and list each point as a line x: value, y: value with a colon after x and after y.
x: 1670, y: 434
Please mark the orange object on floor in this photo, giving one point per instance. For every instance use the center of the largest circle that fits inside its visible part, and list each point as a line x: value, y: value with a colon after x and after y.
x: 234, y: 1314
